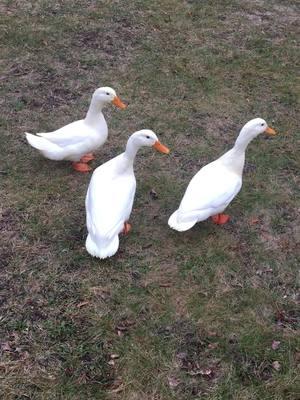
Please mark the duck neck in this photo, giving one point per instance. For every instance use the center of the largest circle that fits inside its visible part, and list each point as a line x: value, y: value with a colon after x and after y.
x: 131, y: 150
x: 235, y: 158
x: 242, y: 142
x: 94, y: 111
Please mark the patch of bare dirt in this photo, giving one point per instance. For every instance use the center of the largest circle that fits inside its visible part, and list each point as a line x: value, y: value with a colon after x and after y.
x: 259, y: 10
x: 165, y: 276
x: 115, y: 44
x: 287, y: 236
x: 288, y: 319
x: 194, y: 358
x: 9, y: 231
x: 217, y: 127
x: 8, y: 220
x: 257, y: 17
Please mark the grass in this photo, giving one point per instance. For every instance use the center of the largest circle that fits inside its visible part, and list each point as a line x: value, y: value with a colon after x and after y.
x: 171, y: 316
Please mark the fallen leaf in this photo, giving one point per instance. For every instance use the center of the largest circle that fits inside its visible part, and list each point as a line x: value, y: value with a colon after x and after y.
x: 135, y: 275
x: 3, y: 368
x: 212, y: 333
x: 82, y: 378
x: 114, y: 356
x: 275, y: 344
x: 165, y: 285
x: 6, y: 347
x: 203, y: 372
x: 280, y: 317
x: 15, y: 336
x: 285, y: 319
x: 262, y: 271
x: 82, y: 304
x: 24, y: 355
x: 233, y: 338
x: 123, y: 326
x: 100, y: 292
x: 118, y: 389
x: 254, y: 221
x: 213, y: 345
x: 147, y: 246
x: 181, y: 356
x: 276, y: 365
x: 153, y: 194
x: 173, y: 382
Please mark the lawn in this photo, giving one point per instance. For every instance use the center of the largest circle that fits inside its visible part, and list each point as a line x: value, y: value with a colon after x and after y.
x: 206, y: 314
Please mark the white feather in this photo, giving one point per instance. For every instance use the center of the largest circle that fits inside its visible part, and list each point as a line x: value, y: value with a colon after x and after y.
x: 212, y: 189
x: 78, y: 138
x: 209, y: 193
x: 109, y: 203
x: 110, y: 197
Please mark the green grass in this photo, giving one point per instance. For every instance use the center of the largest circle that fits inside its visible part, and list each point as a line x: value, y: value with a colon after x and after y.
x: 173, y: 315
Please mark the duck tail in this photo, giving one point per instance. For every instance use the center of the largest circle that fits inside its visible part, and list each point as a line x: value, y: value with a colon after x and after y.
x: 48, y: 149
x: 174, y: 223
x: 107, y: 249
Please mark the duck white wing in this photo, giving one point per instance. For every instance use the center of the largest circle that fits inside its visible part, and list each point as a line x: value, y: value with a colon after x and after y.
x: 109, y: 203
x: 71, y: 134
x: 211, y: 188
x: 64, y: 144
x: 209, y: 193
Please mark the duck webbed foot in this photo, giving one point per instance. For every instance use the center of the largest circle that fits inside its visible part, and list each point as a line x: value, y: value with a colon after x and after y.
x: 81, y: 167
x: 220, y: 219
x: 127, y: 228
x: 87, y: 157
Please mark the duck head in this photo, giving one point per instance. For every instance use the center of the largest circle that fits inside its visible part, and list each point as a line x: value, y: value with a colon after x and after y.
x: 249, y: 131
x: 108, y: 95
x: 255, y: 127
x: 146, y: 137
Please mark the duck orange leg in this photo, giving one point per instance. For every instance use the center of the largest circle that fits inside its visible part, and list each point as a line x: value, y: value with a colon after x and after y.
x: 87, y: 157
x: 220, y: 219
x: 127, y: 228
x: 81, y: 167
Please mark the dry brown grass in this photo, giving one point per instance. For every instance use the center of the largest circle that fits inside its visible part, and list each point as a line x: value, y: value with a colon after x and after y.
x: 171, y: 316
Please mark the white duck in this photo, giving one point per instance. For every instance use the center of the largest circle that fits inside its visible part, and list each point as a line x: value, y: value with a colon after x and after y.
x: 212, y: 189
x: 110, y: 196
x: 77, y: 140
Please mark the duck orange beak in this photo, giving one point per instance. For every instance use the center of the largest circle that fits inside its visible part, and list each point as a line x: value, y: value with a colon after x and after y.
x: 269, y: 131
x: 160, y: 147
x: 119, y: 103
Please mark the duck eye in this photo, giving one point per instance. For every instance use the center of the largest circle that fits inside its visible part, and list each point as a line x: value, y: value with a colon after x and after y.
x: 148, y: 137
x: 262, y: 124
x: 107, y: 93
